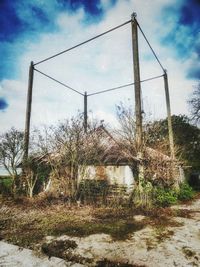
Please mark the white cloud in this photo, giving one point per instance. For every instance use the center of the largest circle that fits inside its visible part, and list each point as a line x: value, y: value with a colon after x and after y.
x: 103, y: 63
x: 107, y: 118
x: 14, y: 92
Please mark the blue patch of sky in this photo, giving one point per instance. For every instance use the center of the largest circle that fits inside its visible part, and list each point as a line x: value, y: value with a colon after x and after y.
x: 194, y: 73
x: 3, y: 104
x: 24, y: 20
x: 10, y: 23
x: 184, y: 36
x: 90, y: 7
x: 20, y: 18
x: 10, y: 54
x: 20, y: 21
x: 94, y: 11
x: 189, y: 13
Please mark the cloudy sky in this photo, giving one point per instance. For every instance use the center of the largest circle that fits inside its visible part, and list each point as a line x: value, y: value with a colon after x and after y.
x: 34, y: 30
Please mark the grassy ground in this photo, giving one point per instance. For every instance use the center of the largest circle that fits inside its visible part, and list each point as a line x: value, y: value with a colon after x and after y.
x: 26, y: 223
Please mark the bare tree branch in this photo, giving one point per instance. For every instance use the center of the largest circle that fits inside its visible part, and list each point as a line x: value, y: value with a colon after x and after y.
x: 194, y: 103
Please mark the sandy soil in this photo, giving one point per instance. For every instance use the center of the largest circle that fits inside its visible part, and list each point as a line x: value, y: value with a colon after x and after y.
x: 174, y: 246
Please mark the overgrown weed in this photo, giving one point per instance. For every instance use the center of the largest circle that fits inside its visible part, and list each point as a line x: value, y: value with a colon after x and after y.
x: 25, y: 224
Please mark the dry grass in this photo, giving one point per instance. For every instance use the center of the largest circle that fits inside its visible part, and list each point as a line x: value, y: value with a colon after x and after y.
x: 27, y: 222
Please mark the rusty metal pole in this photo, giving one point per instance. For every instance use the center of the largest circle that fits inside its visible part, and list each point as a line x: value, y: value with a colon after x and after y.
x: 28, y: 111
x: 170, y: 129
x: 85, y: 112
x: 138, y: 106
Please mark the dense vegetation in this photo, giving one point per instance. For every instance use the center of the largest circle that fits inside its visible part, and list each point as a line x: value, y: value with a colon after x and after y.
x: 58, y: 152
x: 47, y: 199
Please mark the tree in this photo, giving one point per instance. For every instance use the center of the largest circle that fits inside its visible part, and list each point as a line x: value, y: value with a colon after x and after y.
x: 30, y: 176
x: 195, y: 105
x: 34, y: 174
x: 186, y: 139
x: 11, y: 152
x: 68, y: 150
x: 154, y: 162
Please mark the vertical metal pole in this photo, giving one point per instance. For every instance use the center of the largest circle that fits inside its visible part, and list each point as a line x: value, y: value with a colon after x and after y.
x: 85, y: 112
x: 171, y: 138
x: 28, y: 111
x: 136, y: 70
x: 138, y: 106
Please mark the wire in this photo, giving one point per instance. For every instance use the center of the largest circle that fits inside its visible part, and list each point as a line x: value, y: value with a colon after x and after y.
x: 122, y: 86
x: 80, y: 44
x: 65, y: 85
x: 153, y: 78
x: 99, y: 92
x: 111, y: 89
x: 150, y: 46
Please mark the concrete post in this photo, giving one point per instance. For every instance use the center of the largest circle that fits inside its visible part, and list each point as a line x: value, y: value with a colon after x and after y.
x: 136, y: 70
x: 170, y: 129
x: 85, y: 112
x: 138, y: 106
x: 28, y: 111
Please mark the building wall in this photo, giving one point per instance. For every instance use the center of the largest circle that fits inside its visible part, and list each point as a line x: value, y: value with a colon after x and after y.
x: 121, y: 175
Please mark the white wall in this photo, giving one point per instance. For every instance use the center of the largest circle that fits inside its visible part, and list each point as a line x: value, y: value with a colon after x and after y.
x: 121, y: 175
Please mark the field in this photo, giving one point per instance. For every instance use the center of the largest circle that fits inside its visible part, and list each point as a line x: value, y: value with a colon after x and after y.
x: 88, y: 235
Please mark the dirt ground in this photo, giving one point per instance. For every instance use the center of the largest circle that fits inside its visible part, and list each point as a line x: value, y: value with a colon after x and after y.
x: 59, y: 235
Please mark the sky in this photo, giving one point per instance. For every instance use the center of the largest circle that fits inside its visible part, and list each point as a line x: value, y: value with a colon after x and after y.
x: 34, y: 30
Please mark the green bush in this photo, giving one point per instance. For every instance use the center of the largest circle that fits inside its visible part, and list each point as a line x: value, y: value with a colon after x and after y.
x: 186, y: 192
x: 42, y: 171
x: 165, y: 197
x: 5, y: 185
